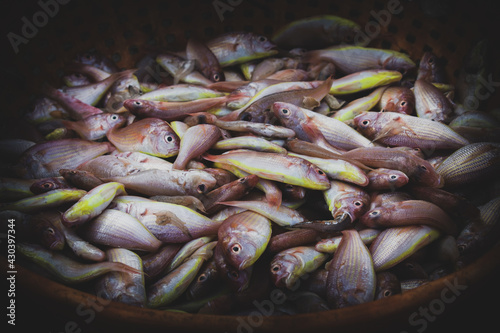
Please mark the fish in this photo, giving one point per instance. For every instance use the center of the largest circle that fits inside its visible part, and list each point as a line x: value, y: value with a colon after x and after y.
x: 92, y: 204
x: 75, y: 108
x: 292, y: 238
x: 397, y: 99
x: 243, y: 238
x: 80, y: 247
x: 316, y: 32
x: 187, y: 250
x: 207, y: 280
x: 387, y: 285
x: 409, y: 212
x: 237, y: 47
x: 213, y: 201
x: 128, y: 288
x: 249, y: 142
x: 470, y: 163
x: 418, y: 170
x: 94, y: 92
x: 386, y: 179
x: 44, y: 159
x: 171, y: 110
x: 260, y: 110
x: 431, y: 103
x: 282, y: 168
x: 95, y: 127
x: 351, y: 59
x: 174, y: 284
x: 97, y: 60
x: 355, y: 107
x: 16, y: 188
x: 281, y: 215
x: 184, y: 200
x: 397, y: 129
x: 266, y: 68
x: 45, y: 109
x: 330, y: 245
x: 338, y: 169
x: 431, y: 69
x: 170, y: 223
x: 48, y: 184
x: 151, y: 136
x: 154, y: 264
x: 118, y: 229
x: 181, y: 93
x: 50, y: 199
x: 182, y: 69
x: 81, y: 179
x: 68, y: 270
x: 206, y: 62
x: 364, y: 80
x: 264, y: 129
x: 393, y: 245
x: 174, y: 182
x: 289, y: 265
x: 196, y: 141
x: 335, y: 132
x: 351, y: 274
x: 346, y: 202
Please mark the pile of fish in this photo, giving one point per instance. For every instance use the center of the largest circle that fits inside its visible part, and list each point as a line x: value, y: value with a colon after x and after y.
x: 206, y: 179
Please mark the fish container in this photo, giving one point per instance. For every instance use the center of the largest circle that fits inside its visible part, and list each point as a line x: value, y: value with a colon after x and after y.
x: 40, y: 39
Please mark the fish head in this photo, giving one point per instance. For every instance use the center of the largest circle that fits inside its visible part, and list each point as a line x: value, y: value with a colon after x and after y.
x: 365, y: 123
x: 162, y: 138
x: 318, y: 177
x: 372, y: 217
x: 200, y: 182
x: 240, y: 253
x: 139, y: 106
x: 424, y: 173
x: 281, y: 270
x: 352, y: 207
x: 115, y: 120
x: 285, y: 112
x: 262, y: 45
x: 401, y: 100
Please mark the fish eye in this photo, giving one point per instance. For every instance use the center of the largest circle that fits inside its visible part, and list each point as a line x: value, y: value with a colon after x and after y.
x: 321, y: 172
x: 365, y: 122
x: 202, y: 188
x: 393, y: 177
x: 461, y: 248
x: 138, y: 103
x: 275, y: 268
x: 285, y: 111
x: 403, y: 103
x: 358, y: 203
x: 114, y: 117
x: 431, y: 60
x: 236, y: 248
x: 169, y: 138
x: 423, y: 168
x: 233, y: 275
x: 374, y: 213
x: 246, y: 116
x: 202, y: 277
x: 262, y: 39
x: 387, y: 293
x: 46, y: 185
x: 216, y: 77
x: 50, y: 231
